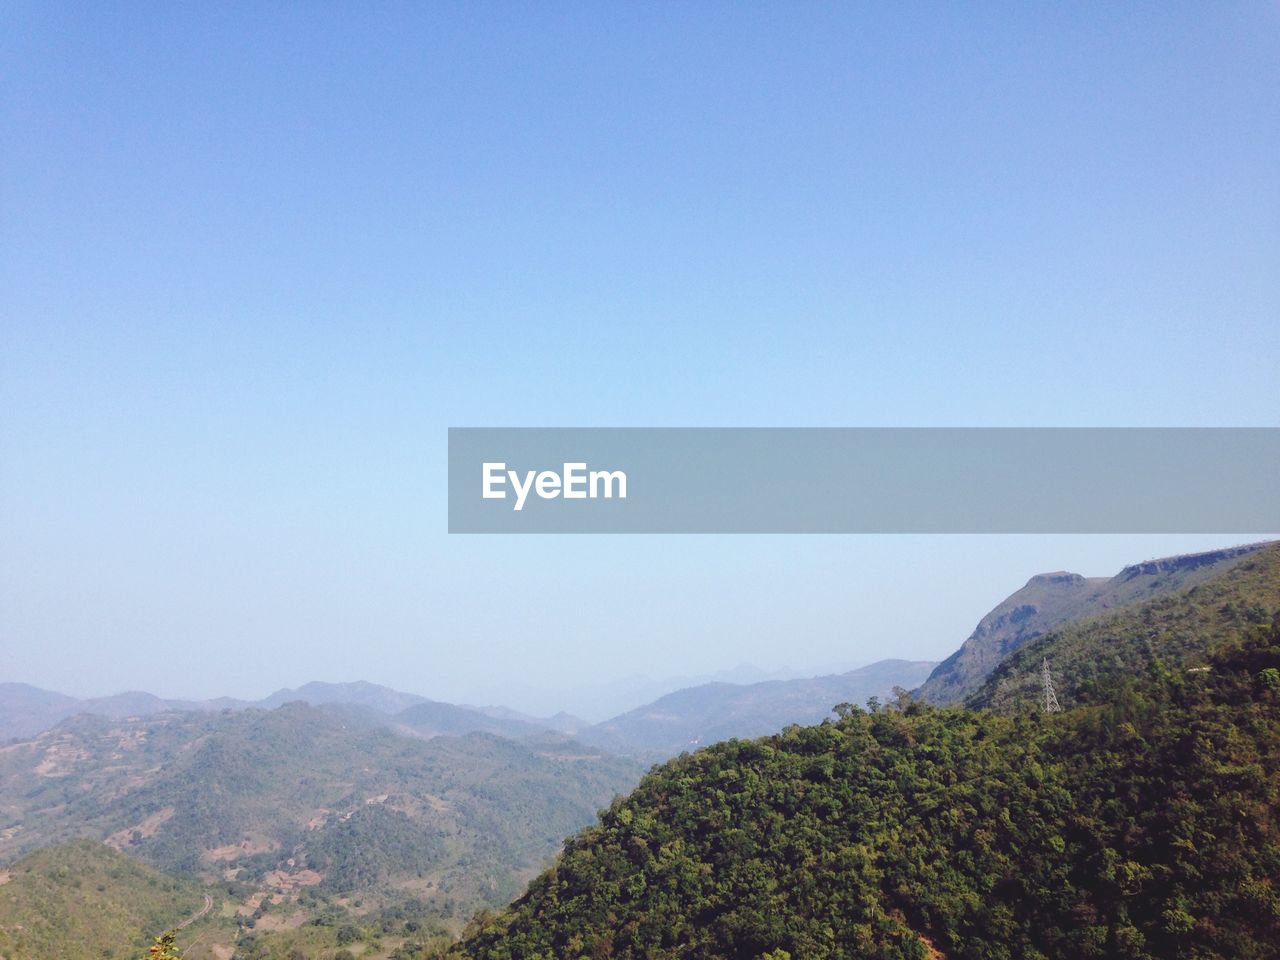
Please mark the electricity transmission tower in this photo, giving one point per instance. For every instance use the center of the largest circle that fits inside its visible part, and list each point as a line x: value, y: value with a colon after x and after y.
x: 1050, y: 698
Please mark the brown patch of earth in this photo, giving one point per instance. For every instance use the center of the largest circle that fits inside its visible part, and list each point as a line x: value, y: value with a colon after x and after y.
x: 148, y: 827
x: 232, y: 850
x: 270, y: 921
x: 280, y: 880
x: 438, y: 804
x: 59, y: 758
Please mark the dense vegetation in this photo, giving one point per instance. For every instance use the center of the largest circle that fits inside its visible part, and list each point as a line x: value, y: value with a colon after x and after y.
x: 1146, y: 826
x: 83, y: 899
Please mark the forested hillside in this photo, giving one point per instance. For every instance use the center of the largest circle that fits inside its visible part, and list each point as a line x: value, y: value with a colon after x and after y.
x: 307, y: 797
x: 1145, y: 825
x: 84, y: 899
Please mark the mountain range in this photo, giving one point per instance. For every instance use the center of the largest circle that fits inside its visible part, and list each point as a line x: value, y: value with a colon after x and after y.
x: 1140, y: 821
x: 678, y: 721
x: 605, y: 699
x: 307, y: 797
x: 26, y: 710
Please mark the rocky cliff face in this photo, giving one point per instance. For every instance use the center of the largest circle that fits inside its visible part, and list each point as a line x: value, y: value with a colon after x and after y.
x: 1050, y: 600
x: 1047, y: 600
x: 1187, y: 562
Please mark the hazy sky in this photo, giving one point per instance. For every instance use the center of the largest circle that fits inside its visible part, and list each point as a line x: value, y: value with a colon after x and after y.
x: 255, y: 259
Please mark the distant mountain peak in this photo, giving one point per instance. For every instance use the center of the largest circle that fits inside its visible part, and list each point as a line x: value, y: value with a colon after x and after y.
x: 709, y: 712
x: 1059, y: 576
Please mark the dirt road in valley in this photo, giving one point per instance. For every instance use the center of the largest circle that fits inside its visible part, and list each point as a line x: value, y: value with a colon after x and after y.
x: 208, y: 905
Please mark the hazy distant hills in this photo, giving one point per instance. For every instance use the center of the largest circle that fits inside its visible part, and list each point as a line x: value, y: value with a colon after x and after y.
x: 682, y: 720
x: 561, y: 722
x: 688, y: 719
x: 26, y: 710
x: 361, y: 693
x: 432, y: 718
x: 1052, y: 599
x: 605, y: 700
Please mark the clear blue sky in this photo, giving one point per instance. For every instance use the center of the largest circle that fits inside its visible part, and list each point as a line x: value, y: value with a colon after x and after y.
x: 257, y: 258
